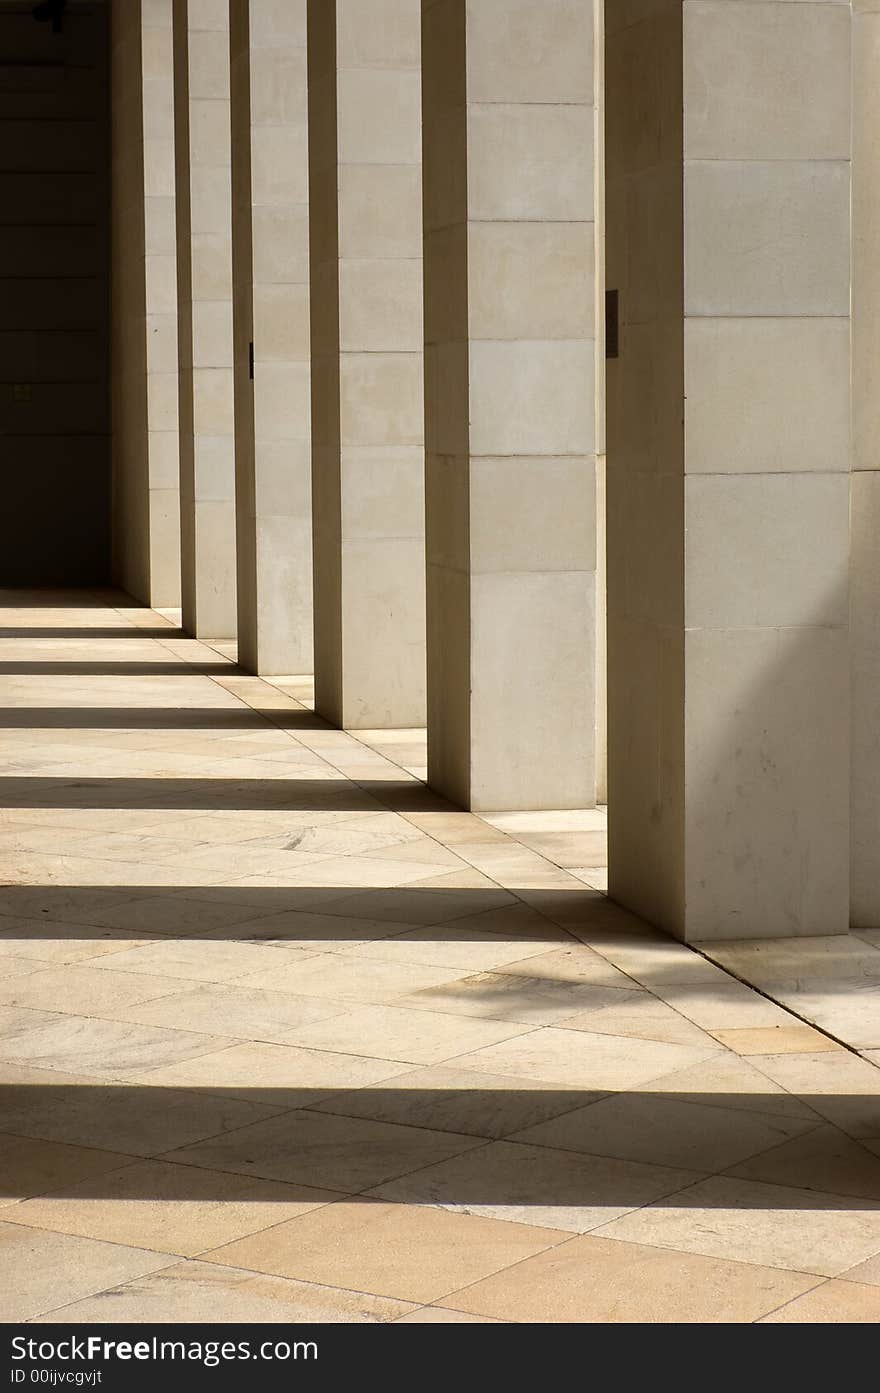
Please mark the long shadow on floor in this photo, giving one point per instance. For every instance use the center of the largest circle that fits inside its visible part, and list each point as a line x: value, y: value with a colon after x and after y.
x: 155, y: 718
x: 228, y: 795
x: 466, y: 1145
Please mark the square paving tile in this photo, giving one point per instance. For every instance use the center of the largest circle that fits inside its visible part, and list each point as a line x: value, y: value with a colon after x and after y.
x: 457, y: 1100
x: 580, y: 1060
x: 536, y: 1185
x: 204, y: 1293
x: 663, y: 1131
x: 53, y: 1269
x: 29, y: 1166
x: 593, y: 1280
x: 396, y: 1250
x: 93, y: 1112
x: 773, y: 1225
x: 416, y: 1037
x: 167, y: 1208
x: 104, y: 1048
x: 341, y: 1153
x: 245, y: 1013
x: 279, y: 1076
x: 833, y: 1303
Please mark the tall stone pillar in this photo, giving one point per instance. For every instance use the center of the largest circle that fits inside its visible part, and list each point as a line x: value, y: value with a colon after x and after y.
x: 508, y: 119
x: 865, y: 566
x: 143, y: 378
x: 270, y: 265
x: 204, y: 316
x: 728, y: 247
x: 367, y: 427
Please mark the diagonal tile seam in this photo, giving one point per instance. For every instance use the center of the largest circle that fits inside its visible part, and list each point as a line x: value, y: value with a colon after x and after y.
x: 783, y: 1006
x: 644, y: 1241
x: 199, y: 1258
x: 267, y: 715
x: 102, y: 1291
x: 630, y: 1243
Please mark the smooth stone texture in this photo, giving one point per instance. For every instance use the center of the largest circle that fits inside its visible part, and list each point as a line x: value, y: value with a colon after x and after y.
x: 412, y: 1253
x: 592, y: 1279
x: 202, y: 1293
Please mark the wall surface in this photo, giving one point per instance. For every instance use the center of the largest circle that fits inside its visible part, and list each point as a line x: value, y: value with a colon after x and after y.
x: 54, y: 418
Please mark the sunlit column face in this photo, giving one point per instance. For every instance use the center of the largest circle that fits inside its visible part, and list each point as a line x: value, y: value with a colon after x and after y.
x: 509, y: 112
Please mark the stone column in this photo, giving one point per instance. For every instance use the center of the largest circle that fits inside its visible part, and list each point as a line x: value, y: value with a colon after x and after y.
x: 270, y: 221
x: 865, y: 566
x: 143, y: 385
x: 508, y: 119
x: 367, y: 422
x: 204, y: 316
x: 728, y: 243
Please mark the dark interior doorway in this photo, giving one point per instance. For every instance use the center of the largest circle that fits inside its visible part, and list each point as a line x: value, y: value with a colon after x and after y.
x: 54, y: 290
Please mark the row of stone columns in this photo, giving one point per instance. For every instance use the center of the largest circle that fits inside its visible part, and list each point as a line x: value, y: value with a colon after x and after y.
x: 326, y: 337
x: 415, y: 215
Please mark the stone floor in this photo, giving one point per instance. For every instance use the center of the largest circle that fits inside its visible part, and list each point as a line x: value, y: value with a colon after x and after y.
x: 285, y: 1037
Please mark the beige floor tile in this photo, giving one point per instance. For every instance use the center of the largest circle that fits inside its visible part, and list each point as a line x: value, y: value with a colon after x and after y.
x: 562, y: 820
x: 55, y: 942
x: 535, y: 1185
x: 868, y: 1271
x: 355, y: 871
x: 337, y: 977
x: 804, y: 1230
x: 441, y: 1315
x: 849, y: 1010
x: 19, y: 967
x: 162, y: 914
x: 237, y: 860
x: 453, y: 826
x: 167, y: 1208
x: 575, y: 963
x: 593, y: 1280
x: 787, y: 1039
x: 342, y: 1153
x: 452, y: 946
x: 652, y: 959
x: 84, y: 991
x: 762, y: 960
x: 430, y: 903
x: 415, y: 1037
x: 53, y: 1269
x: 415, y: 1254
x: 722, y: 1005
x: 824, y: 1160
x: 86, y: 1045
x: 567, y: 849
x: 376, y: 833
x: 243, y: 1013
x: 278, y: 1076
x: 29, y: 1166
x: 501, y: 996
x: 90, y: 1112
x: 203, y: 1293
x: 580, y: 1060
x: 197, y: 960
x: 838, y: 1085
x: 456, y: 1100
x: 662, y: 1131
x: 644, y: 1018
x: 76, y: 904
x: 309, y: 933
x: 833, y: 1303
x: 727, y: 1080
x: 423, y: 850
